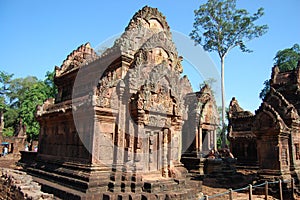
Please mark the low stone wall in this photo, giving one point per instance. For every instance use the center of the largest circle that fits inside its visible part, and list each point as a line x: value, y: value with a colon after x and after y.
x: 221, y: 167
x: 17, y: 185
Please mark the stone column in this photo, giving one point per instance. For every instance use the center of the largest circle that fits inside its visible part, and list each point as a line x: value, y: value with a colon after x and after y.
x: 197, y: 140
x: 165, y: 153
x: 121, y: 126
x: 215, y: 139
x: 200, y: 141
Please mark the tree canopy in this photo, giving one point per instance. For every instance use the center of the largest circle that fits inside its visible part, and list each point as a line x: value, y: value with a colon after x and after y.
x: 286, y: 59
x: 19, y: 98
x: 219, y: 26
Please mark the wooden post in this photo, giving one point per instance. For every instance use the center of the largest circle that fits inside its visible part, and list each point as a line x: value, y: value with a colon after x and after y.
x: 280, y: 190
x: 250, y: 192
x: 266, y: 190
x: 230, y: 194
x: 293, y: 188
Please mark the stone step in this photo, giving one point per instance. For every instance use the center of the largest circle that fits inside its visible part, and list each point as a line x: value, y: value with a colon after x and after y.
x: 74, y: 183
x: 178, y: 195
x: 59, y: 190
x: 160, y: 186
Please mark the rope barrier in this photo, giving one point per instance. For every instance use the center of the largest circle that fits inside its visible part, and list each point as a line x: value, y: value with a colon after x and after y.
x: 273, y: 182
x: 241, y: 189
x: 244, y: 188
x: 259, y: 185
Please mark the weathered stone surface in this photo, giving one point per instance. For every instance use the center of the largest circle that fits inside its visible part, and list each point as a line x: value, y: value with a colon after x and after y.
x: 115, y: 129
x: 240, y: 134
x: 18, y: 185
x: 17, y: 142
x: 276, y: 125
x: 199, y: 131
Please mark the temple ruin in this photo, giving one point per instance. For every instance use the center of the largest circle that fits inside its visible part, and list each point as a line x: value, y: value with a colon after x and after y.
x: 273, y: 132
x: 201, y: 128
x: 277, y: 124
x: 240, y: 135
x: 17, y: 141
x: 121, y: 120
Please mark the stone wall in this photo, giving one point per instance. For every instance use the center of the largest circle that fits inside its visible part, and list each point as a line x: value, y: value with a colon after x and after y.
x: 18, y: 185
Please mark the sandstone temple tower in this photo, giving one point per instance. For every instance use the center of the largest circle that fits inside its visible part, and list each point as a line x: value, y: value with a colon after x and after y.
x: 115, y: 128
x: 273, y: 132
x: 277, y: 126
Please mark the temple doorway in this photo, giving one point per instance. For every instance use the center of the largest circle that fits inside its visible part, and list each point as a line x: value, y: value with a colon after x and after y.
x: 154, y: 144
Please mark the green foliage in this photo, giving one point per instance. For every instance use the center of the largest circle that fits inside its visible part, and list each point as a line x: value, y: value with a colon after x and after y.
x: 286, y: 59
x: 51, y: 89
x: 5, y: 80
x: 265, y: 90
x: 2, y: 103
x: 219, y: 26
x: 34, y: 96
x: 220, y: 139
x: 19, y: 98
x: 8, y: 132
x: 11, y: 117
x: 17, y: 89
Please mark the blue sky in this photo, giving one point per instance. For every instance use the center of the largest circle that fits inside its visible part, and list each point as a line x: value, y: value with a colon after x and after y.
x: 37, y: 35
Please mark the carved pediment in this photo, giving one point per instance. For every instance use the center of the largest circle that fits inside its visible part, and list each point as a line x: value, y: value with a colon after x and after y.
x: 207, y: 106
x: 153, y: 67
x: 163, y: 41
x: 268, y: 121
x: 155, y: 97
x: 149, y: 17
x: 285, y: 109
x: 83, y: 55
x: 143, y: 25
x: 144, y: 67
x: 236, y: 111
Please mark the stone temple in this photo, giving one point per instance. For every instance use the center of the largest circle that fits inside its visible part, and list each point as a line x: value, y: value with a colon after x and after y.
x: 115, y: 129
x: 270, y: 138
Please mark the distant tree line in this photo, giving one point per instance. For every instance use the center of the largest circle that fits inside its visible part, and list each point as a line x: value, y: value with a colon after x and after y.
x: 19, y: 98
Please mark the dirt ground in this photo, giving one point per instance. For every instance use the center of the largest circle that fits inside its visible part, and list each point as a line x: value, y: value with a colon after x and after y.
x: 214, y: 187
x: 211, y: 186
x: 9, y: 161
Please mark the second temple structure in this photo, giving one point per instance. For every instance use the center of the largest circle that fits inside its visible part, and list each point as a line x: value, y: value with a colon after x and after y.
x: 270, y: 139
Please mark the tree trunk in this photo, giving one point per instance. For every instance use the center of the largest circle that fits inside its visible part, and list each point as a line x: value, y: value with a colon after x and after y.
x: 223, y: 135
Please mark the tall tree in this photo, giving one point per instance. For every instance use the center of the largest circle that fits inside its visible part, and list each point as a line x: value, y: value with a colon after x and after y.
x: 286, y: 59
x: 219, y: 26
x: 9, y: 114
x: 34, y: 96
